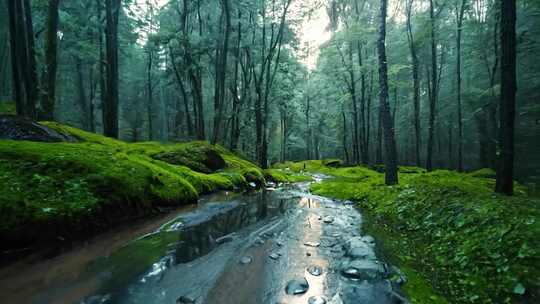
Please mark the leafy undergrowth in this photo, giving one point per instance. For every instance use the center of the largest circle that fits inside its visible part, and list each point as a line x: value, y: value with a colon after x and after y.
x: 448, y: 229
x: 64, y: 191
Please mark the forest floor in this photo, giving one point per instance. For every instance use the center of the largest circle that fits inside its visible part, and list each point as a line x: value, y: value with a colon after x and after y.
x: 56, y: 193
x: 447, y: 229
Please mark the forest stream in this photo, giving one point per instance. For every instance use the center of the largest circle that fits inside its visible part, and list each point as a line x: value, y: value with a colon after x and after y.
x: 278, y: 245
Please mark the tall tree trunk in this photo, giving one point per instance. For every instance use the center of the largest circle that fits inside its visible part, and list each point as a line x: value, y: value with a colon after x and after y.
x: 183, y: 91
x: 19, y: 91
x: 110, y: 110
x: 23, y: 61
x: 81, y: 93
x: 49, y: 83
x: 391, y: 174
x: 345, y: 150
x: 150, y: 96
x: 416, y: 83
x: 460, y: 14
x: 32, y: 82
x: 434, y: 89
x: 364, y: 156
x: 221, y: 72
x: 505, y: 170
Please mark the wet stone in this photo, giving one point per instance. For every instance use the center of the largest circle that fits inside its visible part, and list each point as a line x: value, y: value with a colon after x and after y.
x: 362, y: 270
x: 356, y: 248
x: 224, y: 239
x: 328, y: 219
x: 185, y: 300
x: 245, y: 260
x: 312, y: 244
x: 315, y: 270
x: 274, y: 255
x: 317, y: 300
x: 369, y: 240
x: 297, y: 286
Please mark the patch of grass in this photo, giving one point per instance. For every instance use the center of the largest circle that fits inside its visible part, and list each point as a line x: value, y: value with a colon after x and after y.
x: 450, y: 230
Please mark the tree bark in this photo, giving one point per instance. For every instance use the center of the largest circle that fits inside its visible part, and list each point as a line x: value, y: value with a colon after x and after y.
x: 23, y: 61
x: 416, y: 83
x: 391, y: 174
x: 110, y: 109
x: 505, y: 170
x: 221, y: 72
x: 433, y: 89
x: 460, y: 15
x: 51, y: 42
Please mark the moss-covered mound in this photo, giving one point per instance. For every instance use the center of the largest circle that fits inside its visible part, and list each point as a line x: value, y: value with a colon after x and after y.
x: 449, y: 232
x: 51, y: 192
x: 285, y: 176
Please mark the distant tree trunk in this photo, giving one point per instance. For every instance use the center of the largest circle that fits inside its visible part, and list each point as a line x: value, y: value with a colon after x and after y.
x: 81, y: 93
x: 505, y: 170
x: 150, y: 96
x: 49, y: 83
x: 416, y: 83
x: 391, y: 174
x: 352, y: 88
x: 364, y: 144
x: 379, y: 151
x: 308, y: 124
x: 221, y: 72
x: 460, y: 14
x: 235, y: 117
x: 23, y: 61
x: 180, y: 82
x: 345, y: 150
x: 433, y: 89
x: 102, y: 65
x: 110, y: 109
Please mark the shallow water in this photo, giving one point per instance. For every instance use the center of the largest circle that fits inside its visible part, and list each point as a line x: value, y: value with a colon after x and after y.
x: 274, y: 246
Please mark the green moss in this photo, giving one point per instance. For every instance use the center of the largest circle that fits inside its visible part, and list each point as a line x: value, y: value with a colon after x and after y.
x: 8, y: 108
x: 85, y: 136
x: 484, y: 173
x: 449, y: 231
x: 48, y: 189
x: 284, y: 176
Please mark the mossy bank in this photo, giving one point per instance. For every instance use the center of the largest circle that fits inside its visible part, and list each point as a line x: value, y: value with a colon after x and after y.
x: 53, y: 193
x: 456, y: 240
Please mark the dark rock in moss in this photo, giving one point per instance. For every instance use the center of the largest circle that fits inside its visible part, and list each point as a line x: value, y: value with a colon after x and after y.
x: 198, y: 157
x: 333, y: 163
x: 20, y: 128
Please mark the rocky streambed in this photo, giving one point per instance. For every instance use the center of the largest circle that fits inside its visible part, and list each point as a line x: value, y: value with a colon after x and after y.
x: 281, y: 245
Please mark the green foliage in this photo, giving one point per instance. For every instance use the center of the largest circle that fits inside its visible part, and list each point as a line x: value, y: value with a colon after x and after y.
x: 471, y: 245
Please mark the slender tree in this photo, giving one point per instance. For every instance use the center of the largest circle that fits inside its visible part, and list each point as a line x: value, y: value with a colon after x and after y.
x: 505, y: 170
x: 391, y: 174
x: 433, y: 88
x: 23, y: 58
x: 51, y: 42
x: 416, y: 82
x: 110, y: 109
x: 460, y: 9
